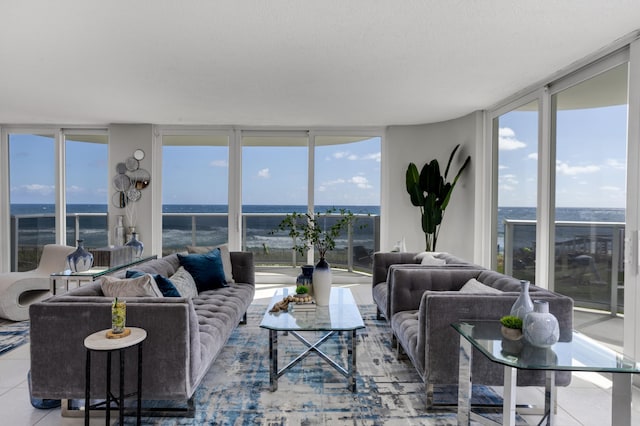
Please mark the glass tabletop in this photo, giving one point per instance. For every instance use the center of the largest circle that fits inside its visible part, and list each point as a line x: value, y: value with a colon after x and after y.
x: 99, y: 271
x: 341, y: 314
x: 579, y: 354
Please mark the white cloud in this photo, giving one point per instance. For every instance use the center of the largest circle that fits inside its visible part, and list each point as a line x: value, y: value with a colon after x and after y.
x: 375, y: 156
x: 567, y: 170
x: 340, y: 154
x: 502, y: 167
x: 507, y: 140
x: 264, y: 173
x: 509, y: 179
x: 352, y: 157
x: 74, y: 189
x: 37, y: 188
x: 533, y: 156
x: 507, y: 188
x: 219, y: 163
x: 615, y: 164
x: 609, y: 188
x: 360, y: 182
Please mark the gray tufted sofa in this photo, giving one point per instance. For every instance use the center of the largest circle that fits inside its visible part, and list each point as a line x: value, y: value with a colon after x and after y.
x: 184, y: 335
x: 429, y: 300
x: 385, y: 263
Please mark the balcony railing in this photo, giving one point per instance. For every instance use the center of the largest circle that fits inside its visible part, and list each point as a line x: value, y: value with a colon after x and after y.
x: 589, y: 260
x: 354, y: 250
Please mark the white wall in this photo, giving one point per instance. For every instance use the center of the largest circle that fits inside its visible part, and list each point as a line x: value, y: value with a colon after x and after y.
x: 420, y: 144
x: 123, y: 140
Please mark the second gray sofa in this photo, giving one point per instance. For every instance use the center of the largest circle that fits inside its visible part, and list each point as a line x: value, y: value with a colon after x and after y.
x: 385, y: 263
x: 429, y: 300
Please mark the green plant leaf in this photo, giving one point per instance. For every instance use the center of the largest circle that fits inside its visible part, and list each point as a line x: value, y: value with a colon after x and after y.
x: 413, y: 185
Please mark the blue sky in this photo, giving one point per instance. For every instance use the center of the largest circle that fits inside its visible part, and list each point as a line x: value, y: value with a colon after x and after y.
x: 345, y: 174
x: 590, y: 158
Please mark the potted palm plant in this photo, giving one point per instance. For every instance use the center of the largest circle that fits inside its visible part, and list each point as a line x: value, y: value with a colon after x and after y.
x: 431, y: 192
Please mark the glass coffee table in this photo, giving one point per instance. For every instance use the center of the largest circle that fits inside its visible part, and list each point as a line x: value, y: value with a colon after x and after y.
x: 342, y: 315
x: 579, y: 354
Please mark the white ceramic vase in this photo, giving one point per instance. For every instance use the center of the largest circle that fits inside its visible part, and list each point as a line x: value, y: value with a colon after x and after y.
x: 322, y: 283
x: 540, y: 328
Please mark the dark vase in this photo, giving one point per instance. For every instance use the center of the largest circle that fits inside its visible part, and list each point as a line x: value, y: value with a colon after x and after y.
x: 80, y: 260
x: 136, y: 245
x: 306, y: 277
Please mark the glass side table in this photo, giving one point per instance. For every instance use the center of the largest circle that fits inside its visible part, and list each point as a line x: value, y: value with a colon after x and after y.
x: 61, y: 280
x: 579, y: 354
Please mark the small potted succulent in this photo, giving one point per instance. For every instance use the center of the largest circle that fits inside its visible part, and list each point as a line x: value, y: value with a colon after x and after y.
x: 511, y: 327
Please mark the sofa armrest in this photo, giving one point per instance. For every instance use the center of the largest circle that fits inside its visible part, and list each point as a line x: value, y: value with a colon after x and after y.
x: 60, y: 325
x: 438, y: 310
x: 383, y: 260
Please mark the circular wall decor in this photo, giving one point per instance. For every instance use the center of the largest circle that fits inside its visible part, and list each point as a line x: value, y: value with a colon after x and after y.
x: 121, y: 168
x: 138, y: 154
x: 132, y: 164
x: 121, y: 182
x: 139, y: 178
x: 134, y: 194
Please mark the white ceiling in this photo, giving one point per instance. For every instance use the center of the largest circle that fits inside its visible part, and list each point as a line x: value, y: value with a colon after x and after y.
x: 287, y: 62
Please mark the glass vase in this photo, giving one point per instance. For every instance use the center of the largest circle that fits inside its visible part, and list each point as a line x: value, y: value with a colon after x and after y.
x: 80, y: 260
x: 119, y: 233
x: 136, y: 245
x: 523, y: 304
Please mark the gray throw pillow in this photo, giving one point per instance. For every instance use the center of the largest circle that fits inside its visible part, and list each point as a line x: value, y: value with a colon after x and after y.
x: 141, y: 286
x: 475, y: 286
x: 184, y: 282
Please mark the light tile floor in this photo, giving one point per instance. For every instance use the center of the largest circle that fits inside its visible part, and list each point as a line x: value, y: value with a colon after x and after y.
x: 587, y: 401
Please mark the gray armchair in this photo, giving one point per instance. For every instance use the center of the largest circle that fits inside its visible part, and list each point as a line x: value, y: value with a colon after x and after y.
x: 383, y: 263
x: 425, y: 302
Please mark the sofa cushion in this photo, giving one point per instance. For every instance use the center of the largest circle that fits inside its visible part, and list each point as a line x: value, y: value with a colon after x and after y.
x: 206, y: 269
x: 184, y: 283
x: 167, y: 288
x: 429, y: 258
x: 224, y: 254
x: 475, y: 286
x: 141, y: 286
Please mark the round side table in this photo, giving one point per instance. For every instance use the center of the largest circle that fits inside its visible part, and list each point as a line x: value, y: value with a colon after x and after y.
x: 98, y: 341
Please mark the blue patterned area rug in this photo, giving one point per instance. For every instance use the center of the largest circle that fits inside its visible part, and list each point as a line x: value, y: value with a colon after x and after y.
x: 13, y: 334
x: 235, y: 391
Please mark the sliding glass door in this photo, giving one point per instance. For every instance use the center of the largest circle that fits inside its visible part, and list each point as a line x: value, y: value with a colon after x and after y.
x: 590, y: 189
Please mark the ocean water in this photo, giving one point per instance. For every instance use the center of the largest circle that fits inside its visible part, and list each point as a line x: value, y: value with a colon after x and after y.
x: 37, y: 224
x: 37, y: 220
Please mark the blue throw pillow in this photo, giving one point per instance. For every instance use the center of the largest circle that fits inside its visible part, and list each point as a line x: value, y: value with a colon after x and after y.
x: 206, y: 269
x: 164, y: 284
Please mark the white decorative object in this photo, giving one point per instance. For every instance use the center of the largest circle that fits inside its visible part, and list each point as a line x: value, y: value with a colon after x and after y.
x: 322, y: 283
x: 540, y: 327
x: 523, y: 304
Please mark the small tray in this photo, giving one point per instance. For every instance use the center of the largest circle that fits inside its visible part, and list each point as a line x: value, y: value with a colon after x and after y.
x: 111, y: 335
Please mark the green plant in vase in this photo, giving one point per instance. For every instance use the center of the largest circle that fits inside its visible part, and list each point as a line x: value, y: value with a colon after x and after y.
x: 511, y: 327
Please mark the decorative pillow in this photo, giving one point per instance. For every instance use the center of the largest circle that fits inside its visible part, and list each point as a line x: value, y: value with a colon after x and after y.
x: 429, y: 259
x: 206, y: 269
x: 225, y: 255
x: 184, y: 283
x: 475, y: 286
x: 164, y: 284
x: 141, y: 286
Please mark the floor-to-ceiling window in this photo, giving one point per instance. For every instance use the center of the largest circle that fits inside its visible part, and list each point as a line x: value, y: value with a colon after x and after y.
x: 274, y: 183
x: 195, y: 182
x: 32, y: 196
x: 347, y: 176
x: 590, y: 121
x: 517, y: 133
x: 87, y: 192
